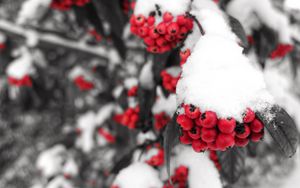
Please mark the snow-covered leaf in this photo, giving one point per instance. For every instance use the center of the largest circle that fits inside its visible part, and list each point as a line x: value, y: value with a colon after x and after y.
x: 282, y: 128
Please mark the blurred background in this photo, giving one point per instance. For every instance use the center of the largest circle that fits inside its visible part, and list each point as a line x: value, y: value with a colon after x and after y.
x: 68, y: 70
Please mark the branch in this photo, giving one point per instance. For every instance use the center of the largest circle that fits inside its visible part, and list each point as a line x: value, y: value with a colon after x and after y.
x: 14, y: 30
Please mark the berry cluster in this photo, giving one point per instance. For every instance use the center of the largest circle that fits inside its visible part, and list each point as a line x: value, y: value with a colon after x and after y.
x: 184, y: 56
x: 132, y: 92
x: 158, y: 159
x: 67, y: 4
x: 161, y: 120
x: 110, y: 138
x: 129, y: 118
x: 83, y: 84
x: 161, y: 37
x: 205, y: 131
x: 179, y: 179
x: 214, y: 157
x: 169, y: 81
x: 281, y: 51
x: 25, y: 81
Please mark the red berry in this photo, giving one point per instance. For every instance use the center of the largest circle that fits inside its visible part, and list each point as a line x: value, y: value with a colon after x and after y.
x: 256, y: 126
x: 149, y: 41
x: 226, y: 126
x: 161, y: 41
x: 256, y: 137
x: 151, y: 20
x: 170, y: 38
x: 134, y: 30
x: 134, y: 118
x: 197, y: 122
x: 189, y: 24
x: 161, y: 28
x: 132, y: 20
x: 185, y: 122
x: 212, y: 146
x: 242, y: 131
x: 208, y: 119
x: 140, y: 20
x: 143, y: 31
x: 213, y: 155
x: 181, y: 20
x: 208, y: 135
x: 173, y: 29
x: 167, y: 17
x: 182, y: 33
x: 224, y: 141
x: 181, y: 173
x: 195, y: 133
x: 191, y: 111
x: 153, y: 33
x: 153, y: 49
x: 199, y: 145
x: 185, y: 54
x: 165, y: 48
x: 185, y: 138
x: 241, y: 142
x: 249, y: 116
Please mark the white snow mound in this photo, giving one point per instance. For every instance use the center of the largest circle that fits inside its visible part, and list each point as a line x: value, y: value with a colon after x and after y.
x: 218, y: 77
x: 138, y: 175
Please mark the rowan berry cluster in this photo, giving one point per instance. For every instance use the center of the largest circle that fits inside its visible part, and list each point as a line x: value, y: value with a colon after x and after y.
x: 205, y: 131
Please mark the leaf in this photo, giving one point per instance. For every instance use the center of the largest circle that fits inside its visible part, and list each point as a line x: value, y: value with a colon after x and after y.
x: 123, y: 162
x: 159, y: 64
x: 94, y: 18
x: 232, y: 163
x: 171, y: 138
x: 282, y: 129
x: 238, y: 29
x: 146, y: 99
x: 266, y: 41
x: 111, y: 11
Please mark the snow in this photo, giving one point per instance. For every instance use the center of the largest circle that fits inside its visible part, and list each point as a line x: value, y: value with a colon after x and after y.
x: 146, y: 78
x: 212, y: 20
x: 218, y: 77
x: 79, y: 71
x: 30, y: 9
x: 140, y: 156
x: 164, y: 104
x: 70, y: 168
x: 104, y: 113
x: 130, y: 82
x: 21, y: 66
x: 2, y: 38
x: 245, y: 11
x: 138, y: 175
x: 292, y: 4
x: 50, y: 161
x: 176, y: 7
x: 143, y: 137
x: 202, y: 172
x: 86, y: 123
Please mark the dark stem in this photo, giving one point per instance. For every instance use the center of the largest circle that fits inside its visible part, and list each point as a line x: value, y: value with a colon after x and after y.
x: 197, y: 22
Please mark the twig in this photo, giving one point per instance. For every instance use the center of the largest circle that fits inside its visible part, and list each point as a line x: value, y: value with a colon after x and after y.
x: 14, y: 30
